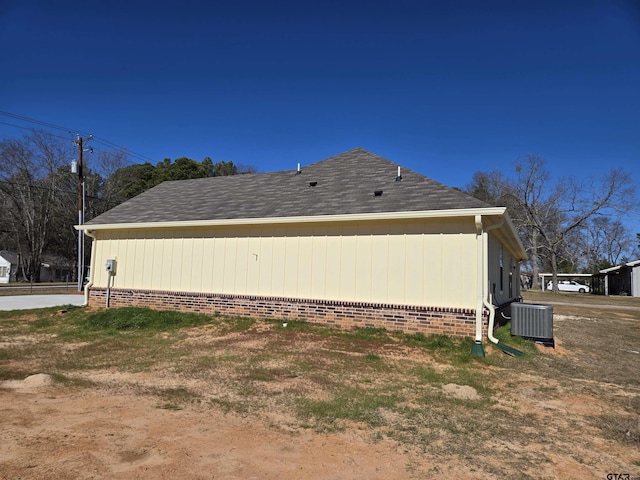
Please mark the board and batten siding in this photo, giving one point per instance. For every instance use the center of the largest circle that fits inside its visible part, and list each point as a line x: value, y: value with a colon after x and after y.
x: 410, y: 262
x: 504, y: 276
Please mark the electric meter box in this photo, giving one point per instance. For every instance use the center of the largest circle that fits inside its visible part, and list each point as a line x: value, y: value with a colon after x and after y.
x: 110, y: 266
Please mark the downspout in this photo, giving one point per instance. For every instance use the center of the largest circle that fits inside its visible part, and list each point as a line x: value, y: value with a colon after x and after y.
x: 486, y: 297
x: 91, y: 268
x: 476, y: 349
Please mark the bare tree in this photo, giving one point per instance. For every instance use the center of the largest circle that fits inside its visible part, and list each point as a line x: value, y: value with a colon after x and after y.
x: 497, y: 190
x: 555, y: 212
x: 561, y: 223
x: 29, y: 183
x: 106, y: 185
x: 607, y: 241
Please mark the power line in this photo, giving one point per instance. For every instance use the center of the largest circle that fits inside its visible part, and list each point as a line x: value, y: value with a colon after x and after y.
x: 31, y: 128
x: 39, y: 122
x: 100, y: 140
x: 112, y: 145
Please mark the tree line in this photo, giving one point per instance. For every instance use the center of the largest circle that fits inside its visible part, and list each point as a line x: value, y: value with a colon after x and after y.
x: 566, y: 224
x: 39, y: 193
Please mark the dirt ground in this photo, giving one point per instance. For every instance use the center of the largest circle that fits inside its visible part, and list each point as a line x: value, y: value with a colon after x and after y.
x: 50, y: 430
x: 54, y: 434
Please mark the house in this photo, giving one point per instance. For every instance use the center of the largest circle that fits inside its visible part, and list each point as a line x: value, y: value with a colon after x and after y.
x: 53, y: 268
x: 56, y: 268
x: 352, y: 240
x: 620, y: 280
x: 8, y: 266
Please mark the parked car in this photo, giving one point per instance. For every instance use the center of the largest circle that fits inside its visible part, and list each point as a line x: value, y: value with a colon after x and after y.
x: 570, y: 286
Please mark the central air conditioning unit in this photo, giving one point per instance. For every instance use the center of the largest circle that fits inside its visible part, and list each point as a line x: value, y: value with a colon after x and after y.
x: 533, y: 321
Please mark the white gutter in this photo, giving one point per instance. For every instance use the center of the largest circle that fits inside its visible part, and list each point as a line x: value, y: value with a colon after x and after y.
x: 466, y: 212
x: 484, y: 298
x: 91, y: 268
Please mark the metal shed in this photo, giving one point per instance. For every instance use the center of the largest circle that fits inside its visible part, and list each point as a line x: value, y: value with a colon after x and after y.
x: 621, y: 280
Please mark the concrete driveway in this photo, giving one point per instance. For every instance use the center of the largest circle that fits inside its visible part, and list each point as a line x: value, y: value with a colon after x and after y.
x: 26, y: 302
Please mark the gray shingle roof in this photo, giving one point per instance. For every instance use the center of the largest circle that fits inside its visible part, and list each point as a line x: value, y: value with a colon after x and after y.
x: 10, y: 257
x: 344, y: 184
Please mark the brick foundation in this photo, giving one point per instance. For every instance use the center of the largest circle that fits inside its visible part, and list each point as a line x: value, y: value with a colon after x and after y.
x: 457, y: 322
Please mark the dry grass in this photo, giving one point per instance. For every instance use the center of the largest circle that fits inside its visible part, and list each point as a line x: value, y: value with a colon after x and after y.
x: 570, y: 401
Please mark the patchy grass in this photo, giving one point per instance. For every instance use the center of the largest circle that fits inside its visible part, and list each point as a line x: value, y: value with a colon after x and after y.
x: 389, y: 384
x: 443, y: 347
x: 139, y: 319
x: 353, y: 404
x: 622, y: 428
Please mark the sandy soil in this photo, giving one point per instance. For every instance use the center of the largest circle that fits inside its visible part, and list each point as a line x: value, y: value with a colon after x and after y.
x: 52, y: 433
x: 110, y: 430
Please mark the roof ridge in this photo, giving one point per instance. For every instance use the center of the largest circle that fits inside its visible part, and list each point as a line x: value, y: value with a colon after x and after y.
x: 341, y: 184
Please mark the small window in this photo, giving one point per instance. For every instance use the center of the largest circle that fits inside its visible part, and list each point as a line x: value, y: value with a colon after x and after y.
x: 501, y: 268
x: 4, y: 271
x: 511, y: 270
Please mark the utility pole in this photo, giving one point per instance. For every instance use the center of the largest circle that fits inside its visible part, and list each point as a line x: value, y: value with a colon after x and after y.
x: 80, y: 142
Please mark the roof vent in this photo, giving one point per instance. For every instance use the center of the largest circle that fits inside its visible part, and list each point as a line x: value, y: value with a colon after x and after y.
x: 377, y: 193
x: 313, y: 184
x: 399, y: 177
x: 299, y: 171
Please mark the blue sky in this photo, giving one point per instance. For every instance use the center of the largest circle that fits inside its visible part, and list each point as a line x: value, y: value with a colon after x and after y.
x: 443, y: 88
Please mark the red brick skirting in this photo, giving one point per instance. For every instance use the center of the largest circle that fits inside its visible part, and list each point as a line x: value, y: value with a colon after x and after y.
x: 458, y: 322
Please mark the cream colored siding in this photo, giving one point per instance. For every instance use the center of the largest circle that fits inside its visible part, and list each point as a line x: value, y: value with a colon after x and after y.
x: 318, y: 263
x: 363, y: 265
x: 499, y: 285
x: 147, y: 264
x: 292, y: 262
x: 166, y: 276
x: 379, y: 267
x: 278, y: 266
x: 253, y: 265
x: 348, y: 251
x: 396, y: 266
x: 305, y: 271
x: 414, y: 262
x: 265, y: 265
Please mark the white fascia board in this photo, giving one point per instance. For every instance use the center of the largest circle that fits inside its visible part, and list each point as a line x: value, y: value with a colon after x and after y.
x: 618, y: 267
x: 611, y: 269
x: 566, y: 274
x: 522, y: 253
x: 470, y: 212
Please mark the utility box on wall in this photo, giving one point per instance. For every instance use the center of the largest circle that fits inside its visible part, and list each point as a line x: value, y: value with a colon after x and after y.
x: 533, y: 321
x: 110, y: 266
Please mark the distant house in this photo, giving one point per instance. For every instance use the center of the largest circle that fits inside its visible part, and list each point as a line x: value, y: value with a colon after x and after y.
x: 621, y: 280
x: 54, y: 268
x: 353, y: 240
x: 8, y: 265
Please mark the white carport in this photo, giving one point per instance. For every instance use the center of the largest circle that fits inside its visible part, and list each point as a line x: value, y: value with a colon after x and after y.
x: 546, y: 277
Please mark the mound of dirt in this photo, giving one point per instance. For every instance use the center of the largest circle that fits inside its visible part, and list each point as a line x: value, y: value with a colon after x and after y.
x: 464, y: 392
x: 31, y: 382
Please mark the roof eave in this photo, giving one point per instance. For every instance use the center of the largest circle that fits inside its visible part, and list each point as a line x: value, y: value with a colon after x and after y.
x: 490, y: 211
x: 513, y: 240
x: 618, y: 267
